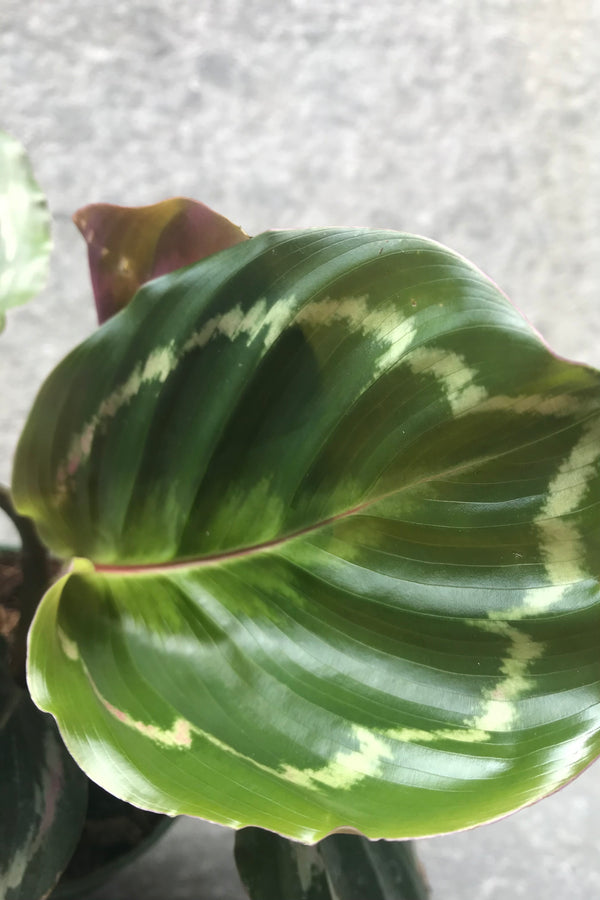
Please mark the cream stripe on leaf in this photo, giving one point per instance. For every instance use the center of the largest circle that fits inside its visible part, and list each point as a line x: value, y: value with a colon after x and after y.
x: 336, y: 509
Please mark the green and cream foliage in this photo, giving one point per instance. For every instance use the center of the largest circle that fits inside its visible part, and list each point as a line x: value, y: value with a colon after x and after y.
x: 334, y: 512
x: 24, y: 229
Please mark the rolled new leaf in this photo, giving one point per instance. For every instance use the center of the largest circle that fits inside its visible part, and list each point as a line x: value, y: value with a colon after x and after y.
x: 335, y: 512
x: 24, y: 229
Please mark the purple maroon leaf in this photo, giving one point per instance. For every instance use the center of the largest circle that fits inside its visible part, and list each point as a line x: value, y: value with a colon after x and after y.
x: 128, y: 246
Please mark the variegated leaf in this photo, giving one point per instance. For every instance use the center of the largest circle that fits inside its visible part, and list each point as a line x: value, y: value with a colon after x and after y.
x: 42, y: 798
x: 341, y: 867
x: 128, y: 246
x: 336, y: 512
x: 24, y: 229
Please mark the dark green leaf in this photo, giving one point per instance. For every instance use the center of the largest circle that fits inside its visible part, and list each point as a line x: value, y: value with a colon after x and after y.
x: 337, y: 509
x: 24, y: 229
x: 42, y: 798
x: 128, y: 246
x: 115, y: 834
x: 340, y: 867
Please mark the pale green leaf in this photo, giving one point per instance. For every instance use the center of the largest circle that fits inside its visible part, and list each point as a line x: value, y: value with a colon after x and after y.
x: 24, y: 229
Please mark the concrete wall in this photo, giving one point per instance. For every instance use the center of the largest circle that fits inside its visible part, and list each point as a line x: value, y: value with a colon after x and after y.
x: 476, y: 122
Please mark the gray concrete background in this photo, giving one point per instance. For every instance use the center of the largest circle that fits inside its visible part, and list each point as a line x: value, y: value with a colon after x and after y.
x: 476, y: 122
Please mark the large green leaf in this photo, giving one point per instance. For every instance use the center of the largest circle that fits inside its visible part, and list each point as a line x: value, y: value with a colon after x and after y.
x: 336, y: 512
x: 24, y: 229
x: 341, y: 867
x: 42, y: 797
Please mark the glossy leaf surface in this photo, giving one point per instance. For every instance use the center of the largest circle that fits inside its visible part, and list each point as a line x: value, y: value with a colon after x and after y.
x: 24, y: 229
x: 128, y: 246
x: 336, y: 509
x: 341, y: 867
x: 42, y: 798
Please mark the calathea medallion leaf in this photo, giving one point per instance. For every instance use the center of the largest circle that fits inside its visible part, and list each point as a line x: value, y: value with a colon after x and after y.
x: 341, y: 867
x: 334, y: 508
x: 42, y: 796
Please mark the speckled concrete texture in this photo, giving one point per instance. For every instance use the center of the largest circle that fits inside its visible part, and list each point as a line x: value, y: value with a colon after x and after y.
x: 476, y: 122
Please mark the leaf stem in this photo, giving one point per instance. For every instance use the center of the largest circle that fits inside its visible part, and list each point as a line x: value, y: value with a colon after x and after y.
x: 34, y: 564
